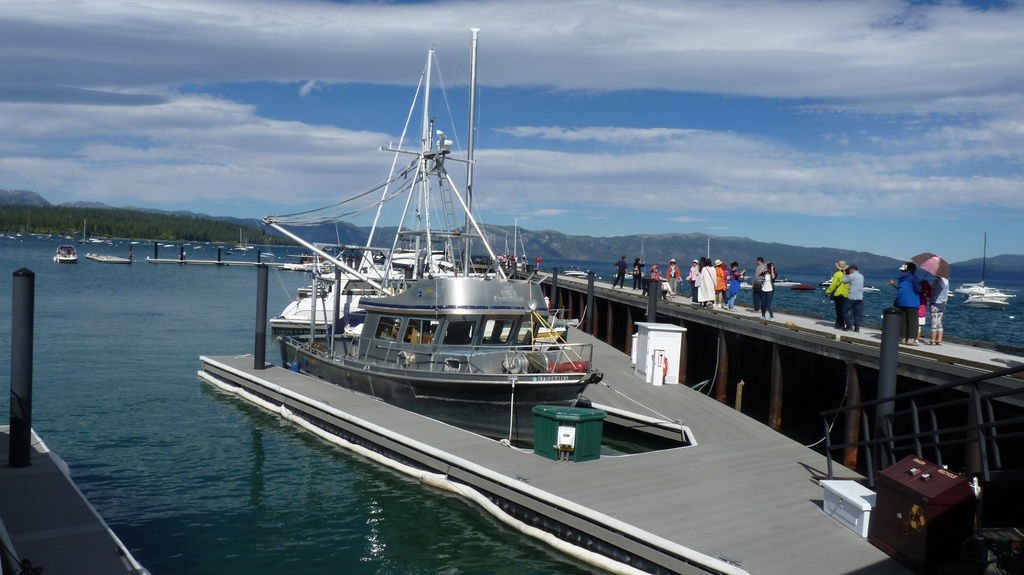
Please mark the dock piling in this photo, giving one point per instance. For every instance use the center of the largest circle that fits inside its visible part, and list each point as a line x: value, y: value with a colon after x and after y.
x: 260, y: 353
x: 156, y: 248
x: 888, y: 361
x: 775, y: 393
x: 22, y: 331
x: 652, y: 304
x: 852, y: 423
x: 722, y: 369
x: 590, y: 303
x: 218, y: 254
x: 554, y: 289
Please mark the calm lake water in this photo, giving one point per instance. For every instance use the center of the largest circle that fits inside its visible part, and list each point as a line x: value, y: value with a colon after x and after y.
x: 197, y: 482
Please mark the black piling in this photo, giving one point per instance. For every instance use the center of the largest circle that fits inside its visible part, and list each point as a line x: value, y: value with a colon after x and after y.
x: 156, y: 247
x: 653, y: 293
x: 590, y: 302
x: 218, y: 254
x: 259, y: 256
x: 888, y: 361
x: 22, y: 315
x: 554, y: 289
x: 260, y: 352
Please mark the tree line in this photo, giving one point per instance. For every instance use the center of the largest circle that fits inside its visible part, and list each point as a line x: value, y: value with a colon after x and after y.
x: 120, y: 223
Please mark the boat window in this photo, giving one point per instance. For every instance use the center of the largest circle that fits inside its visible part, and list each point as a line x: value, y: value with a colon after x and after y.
x: 497, y: 331
x: 525, y: 335
x: 420, y: 331
x: 459, y: 332
x: 387, y: 328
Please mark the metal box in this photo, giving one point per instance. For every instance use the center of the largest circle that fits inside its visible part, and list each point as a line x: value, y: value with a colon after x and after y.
x: 849, y: 503
x: 923, y: 513
x: 657, y: 352
x: 567, y: 433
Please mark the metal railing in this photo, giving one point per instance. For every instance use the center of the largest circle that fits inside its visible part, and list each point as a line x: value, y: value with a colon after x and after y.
x: 914, y: 425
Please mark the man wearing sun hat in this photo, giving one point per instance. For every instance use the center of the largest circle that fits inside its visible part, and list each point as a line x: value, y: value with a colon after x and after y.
x: 838, y: 292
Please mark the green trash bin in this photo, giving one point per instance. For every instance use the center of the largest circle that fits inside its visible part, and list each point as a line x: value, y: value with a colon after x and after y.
x: 567, y: 433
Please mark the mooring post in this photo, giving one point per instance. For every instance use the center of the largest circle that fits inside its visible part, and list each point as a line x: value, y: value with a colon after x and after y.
x: 156, y: 246
x: 682, y: 356
x: 775, y: 392
x: 629, y: 330
x: 590, y: 303
x: 554, y: 290
x: 218, y: 254
x: 739, y: 395
x: 23, y: 303
x: 888, y: 361
x: 609, y: 327
x: 722, y: 371
x: 852, y: 423
x: 260, y: 353
x: 652, y: 304
x: 259, y: 256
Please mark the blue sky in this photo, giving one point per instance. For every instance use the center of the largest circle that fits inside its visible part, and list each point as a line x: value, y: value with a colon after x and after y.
x: 885, y: 126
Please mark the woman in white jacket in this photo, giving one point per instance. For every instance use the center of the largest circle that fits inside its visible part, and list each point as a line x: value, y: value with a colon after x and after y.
x: 706, y: 292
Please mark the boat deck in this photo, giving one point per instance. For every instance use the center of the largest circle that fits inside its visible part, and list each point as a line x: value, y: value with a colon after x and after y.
x: 49, y: 521
x: 743, y: 499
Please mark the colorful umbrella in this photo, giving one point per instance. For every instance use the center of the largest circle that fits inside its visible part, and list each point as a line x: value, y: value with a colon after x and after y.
x: 932, y: 264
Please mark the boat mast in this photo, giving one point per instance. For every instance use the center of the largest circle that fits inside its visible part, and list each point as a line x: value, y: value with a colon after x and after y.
x: 984, y: 257
x: 425, y: 182
x: 469, y: 149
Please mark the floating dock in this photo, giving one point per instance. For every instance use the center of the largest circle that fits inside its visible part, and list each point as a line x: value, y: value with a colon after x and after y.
x: 47, y: 521
x: 103, y: 259
x: 737, y: 498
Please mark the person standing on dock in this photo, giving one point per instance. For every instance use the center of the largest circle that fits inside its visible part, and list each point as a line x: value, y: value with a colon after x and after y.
x: 940, y: 295
x: 759, y: 272
x: 706, y: 295
x: 673, y: 273
x: 620, y: 273
x: 638, y: 274
x: 837, y: 292
x: 853, y: 307
x: 721, y: 283
x: 908, y: 297
x: 922, y: 310
x: 734, y: 284
x: 693, y: 276
x: 768, y: 292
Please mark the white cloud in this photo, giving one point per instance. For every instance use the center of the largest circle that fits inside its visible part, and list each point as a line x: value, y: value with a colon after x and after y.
x: 884, y: 52
x: 308, y: 87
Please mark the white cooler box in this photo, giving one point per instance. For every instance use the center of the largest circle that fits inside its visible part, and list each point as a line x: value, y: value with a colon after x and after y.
x: 849, y: 503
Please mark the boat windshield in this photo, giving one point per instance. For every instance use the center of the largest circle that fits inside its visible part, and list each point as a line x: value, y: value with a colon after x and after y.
x: 459, y: 332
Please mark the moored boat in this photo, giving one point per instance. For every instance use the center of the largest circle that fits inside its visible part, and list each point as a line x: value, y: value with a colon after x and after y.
x: 472, y: 351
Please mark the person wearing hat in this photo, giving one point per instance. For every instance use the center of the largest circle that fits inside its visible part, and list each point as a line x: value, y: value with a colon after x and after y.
x: 838, y: 291
x: 693, y: 278
x: 673, y: 274
x: 721, y: 283
x: 706, y: 291
x: 908, y: 298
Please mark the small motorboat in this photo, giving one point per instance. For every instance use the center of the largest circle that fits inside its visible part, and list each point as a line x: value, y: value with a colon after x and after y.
x: 803, y: 287
x: 66, y: 254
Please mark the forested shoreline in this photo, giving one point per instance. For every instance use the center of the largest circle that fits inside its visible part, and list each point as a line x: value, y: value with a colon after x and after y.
x: 122, y: 223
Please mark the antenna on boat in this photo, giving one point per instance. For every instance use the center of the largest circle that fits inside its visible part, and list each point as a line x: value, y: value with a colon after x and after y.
x: 467, y: 260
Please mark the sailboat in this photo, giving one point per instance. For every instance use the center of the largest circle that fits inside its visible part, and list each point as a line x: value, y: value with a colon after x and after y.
x: 978, y: 294
x: 460, y: 349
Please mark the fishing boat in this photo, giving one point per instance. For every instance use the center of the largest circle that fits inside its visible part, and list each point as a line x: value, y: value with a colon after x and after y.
x: 473, y: 351
x: 66, y: 254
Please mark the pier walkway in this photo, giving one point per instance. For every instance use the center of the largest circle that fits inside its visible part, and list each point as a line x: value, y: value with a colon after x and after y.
x: 742, y: 499
x: 50, y: 523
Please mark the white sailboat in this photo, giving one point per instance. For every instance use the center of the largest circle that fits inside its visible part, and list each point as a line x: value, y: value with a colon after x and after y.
x: 978, y: 294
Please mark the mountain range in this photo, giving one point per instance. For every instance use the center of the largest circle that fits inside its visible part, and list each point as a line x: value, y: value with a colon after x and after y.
x: 604, y: 251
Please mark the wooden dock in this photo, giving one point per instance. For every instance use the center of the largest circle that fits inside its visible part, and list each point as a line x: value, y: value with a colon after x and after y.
x: 742, y: 499
x: 50, y: 523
